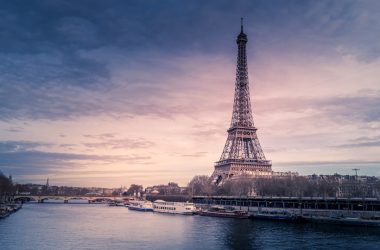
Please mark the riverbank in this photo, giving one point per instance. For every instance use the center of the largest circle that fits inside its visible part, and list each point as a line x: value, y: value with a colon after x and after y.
x: 8, y: 209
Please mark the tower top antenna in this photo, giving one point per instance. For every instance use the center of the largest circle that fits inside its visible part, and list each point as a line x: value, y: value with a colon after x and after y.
x: 241, y: 24
x: 356, y: 171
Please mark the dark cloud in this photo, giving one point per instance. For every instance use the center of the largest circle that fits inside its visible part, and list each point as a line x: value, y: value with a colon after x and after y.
x: 38, y: 162
x: 19, y: 146
x: 58, y: 57
x: 26, y: 157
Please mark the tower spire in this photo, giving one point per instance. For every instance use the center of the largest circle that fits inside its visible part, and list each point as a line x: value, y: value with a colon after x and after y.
x: 241, y: 25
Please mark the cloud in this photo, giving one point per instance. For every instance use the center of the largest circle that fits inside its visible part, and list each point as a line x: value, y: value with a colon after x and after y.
x: 78, y: 30
x: 208, y: 130
x: 14, y: 129
x: 362, y: 142
x: 353, y: 108
x: 160, y: 95
x: 67, y: 145
x: 26, y: 158
x: 63, y: 60
x: 195, y: 155
x: 127, y: 143
x: 38, y: 162
x: 100, y: 136
x: 19, y: 146
x: 170, y: 65
x: 112, y: 141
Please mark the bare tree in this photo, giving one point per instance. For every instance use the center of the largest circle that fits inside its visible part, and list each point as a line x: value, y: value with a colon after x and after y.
x: 200, y: 185
x: 134, y: 189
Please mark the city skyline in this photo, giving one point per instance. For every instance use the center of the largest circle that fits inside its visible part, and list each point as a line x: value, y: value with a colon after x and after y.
x: 113, y: 94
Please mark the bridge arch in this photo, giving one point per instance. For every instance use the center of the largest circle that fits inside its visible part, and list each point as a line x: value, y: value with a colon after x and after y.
x: 25, y: 198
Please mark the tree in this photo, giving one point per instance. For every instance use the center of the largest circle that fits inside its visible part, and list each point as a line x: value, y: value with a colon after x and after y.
x: 6, y: 187
x: 173, y: 184
x: 200, y: 185
x: 134, y: 188
x: 240, y: 185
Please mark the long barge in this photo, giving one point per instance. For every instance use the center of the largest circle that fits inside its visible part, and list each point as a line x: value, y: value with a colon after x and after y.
x: 217, y: 211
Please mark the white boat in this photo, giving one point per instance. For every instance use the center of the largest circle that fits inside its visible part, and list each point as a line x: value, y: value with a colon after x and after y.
x: 174, y: 207
x: 144, y: 206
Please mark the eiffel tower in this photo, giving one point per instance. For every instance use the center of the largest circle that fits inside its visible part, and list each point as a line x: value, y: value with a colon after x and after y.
x: 242, y: 153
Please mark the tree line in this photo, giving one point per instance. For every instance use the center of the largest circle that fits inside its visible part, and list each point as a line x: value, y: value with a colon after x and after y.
x: 292, y: 186
x: 7, y: 188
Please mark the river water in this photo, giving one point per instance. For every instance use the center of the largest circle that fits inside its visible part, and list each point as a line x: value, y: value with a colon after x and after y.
x: 94, y: 226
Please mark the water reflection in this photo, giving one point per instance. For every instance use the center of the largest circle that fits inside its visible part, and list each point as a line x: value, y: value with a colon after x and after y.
x: 240, y: 234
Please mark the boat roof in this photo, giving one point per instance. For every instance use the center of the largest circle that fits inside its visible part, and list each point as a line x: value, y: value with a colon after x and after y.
x: 160, y: 201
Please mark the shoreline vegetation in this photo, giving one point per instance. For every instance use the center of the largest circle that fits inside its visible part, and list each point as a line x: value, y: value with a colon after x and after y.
x: 7, y: 192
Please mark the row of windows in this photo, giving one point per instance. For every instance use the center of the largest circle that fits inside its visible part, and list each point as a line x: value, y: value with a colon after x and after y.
x: 166, y: 203
x: 166, y: 208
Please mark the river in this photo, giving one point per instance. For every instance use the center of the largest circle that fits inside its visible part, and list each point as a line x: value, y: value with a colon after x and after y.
x: 95, y: 226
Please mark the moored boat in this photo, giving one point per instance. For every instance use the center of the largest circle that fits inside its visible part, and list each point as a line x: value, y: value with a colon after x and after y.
x: 4, y: 212
x: 185, y: 208
x: 116, y: 203
x: 143, y: 206
x: 217, y: 211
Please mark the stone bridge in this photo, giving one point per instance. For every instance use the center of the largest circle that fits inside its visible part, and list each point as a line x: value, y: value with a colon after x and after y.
x: 42, y: 198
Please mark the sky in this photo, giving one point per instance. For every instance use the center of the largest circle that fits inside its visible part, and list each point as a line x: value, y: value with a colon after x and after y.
x: 110, y: 93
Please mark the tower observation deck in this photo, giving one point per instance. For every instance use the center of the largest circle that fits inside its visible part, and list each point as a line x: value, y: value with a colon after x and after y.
x: 242, y: 153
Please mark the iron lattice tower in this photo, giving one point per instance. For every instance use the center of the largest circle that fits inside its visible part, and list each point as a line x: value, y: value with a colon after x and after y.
x: 242, y: 153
